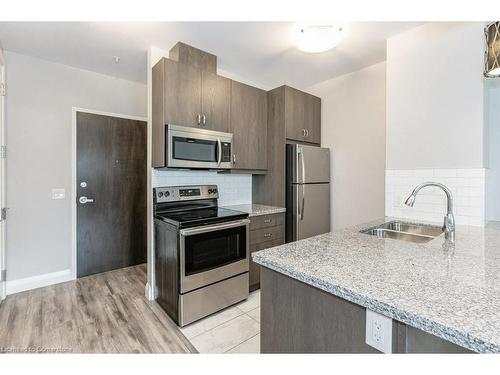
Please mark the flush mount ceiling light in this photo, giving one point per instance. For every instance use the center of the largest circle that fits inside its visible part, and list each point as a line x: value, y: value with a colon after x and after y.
x: 317, y: 38
x: 492, y: 54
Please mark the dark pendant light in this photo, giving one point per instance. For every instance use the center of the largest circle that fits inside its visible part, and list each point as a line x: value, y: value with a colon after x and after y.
x: 492, y: 58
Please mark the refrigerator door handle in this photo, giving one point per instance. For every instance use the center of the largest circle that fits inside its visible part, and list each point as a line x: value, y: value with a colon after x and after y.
x: 303, y: 169
x: 303, y: 202
x: 302, y: 165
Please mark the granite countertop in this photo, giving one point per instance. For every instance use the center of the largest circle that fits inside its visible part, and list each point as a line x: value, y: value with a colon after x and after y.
x: 257, y: 209
x: 449, y: 290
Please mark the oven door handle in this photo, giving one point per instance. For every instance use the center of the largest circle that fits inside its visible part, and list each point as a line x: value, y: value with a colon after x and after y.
x: 213, y: 228
x: 219, y: 156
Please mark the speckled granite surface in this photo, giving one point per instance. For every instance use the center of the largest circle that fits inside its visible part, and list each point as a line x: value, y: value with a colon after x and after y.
x: 451, y: 291
x: 257, y: 209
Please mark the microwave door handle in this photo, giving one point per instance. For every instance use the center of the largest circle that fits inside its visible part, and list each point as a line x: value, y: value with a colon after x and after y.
x: 219, y: 156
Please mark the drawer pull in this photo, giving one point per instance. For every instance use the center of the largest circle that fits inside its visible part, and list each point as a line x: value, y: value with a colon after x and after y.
x: 267, y: 235
x: 267, y: 221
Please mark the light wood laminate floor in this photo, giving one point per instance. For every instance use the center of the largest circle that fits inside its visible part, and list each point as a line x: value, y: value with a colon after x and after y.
x: 104, y: 313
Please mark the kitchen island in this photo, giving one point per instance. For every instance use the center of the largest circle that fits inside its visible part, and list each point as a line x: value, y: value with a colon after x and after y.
x: 442, y: 297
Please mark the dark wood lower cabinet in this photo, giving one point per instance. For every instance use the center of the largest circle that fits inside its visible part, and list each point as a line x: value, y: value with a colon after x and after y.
x: 265, y: 231
x: 298, y: 318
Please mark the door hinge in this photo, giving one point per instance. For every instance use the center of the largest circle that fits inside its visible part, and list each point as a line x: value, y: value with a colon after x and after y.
x: 2, y: 89
x: 3, y: 152
x: 3, y: 275
x: 3, y: 214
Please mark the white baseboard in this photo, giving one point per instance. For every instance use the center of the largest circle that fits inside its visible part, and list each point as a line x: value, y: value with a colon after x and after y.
x: 39, y: 281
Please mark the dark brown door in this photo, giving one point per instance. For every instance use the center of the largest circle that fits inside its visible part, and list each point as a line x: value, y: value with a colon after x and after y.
x: 111, y: 193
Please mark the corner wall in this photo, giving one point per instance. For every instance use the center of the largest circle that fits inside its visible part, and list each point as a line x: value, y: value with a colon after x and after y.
x: 435, y: 121
x: 39, y: 101
x: 435, y: 104
x: 353, y: 127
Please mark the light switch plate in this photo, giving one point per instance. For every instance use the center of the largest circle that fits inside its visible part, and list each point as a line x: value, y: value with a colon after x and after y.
x: 379, y: 331
x: 58, y: 194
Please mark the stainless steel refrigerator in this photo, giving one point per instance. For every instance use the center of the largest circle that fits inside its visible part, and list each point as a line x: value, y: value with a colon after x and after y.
x: 307, y: 191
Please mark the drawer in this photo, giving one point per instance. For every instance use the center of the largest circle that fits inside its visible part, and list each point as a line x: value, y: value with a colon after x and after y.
x: 265, y: 221
x: 267, y: 234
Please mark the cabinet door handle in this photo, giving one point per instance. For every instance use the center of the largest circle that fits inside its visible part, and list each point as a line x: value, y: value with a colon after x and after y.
x: 234, y: 158
x: 198, y: 119
x: 307, y: 133
x: 267, y: 221
x: 204, y: 120
x: 303, y: 132
x: 267, y: 235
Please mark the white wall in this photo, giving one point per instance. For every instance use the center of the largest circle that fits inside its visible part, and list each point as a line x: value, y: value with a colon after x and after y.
x: 435, y: 96
x: 493, y: 173
x: 436, y: 120
x: 353, y: 127
x: 40, y: 96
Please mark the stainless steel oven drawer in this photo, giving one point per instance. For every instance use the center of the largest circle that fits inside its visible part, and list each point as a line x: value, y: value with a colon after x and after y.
x: 207, y: 300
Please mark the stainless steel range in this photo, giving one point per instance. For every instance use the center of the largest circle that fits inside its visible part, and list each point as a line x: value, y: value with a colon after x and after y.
x: 201, y: 250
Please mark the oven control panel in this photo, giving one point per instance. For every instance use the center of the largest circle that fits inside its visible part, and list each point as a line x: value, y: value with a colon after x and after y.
x: 184, y: 193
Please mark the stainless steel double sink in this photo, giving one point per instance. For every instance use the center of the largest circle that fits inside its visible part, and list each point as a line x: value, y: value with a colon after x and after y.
x: 400, y: 230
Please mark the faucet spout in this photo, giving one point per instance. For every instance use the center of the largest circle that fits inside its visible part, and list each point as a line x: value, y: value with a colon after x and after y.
x: 449, y: 219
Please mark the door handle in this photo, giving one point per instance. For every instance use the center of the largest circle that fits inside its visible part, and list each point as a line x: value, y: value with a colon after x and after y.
x: 85, y: 200
x: 234, y: 158
x: 198, y: 119
x: 204, y: 120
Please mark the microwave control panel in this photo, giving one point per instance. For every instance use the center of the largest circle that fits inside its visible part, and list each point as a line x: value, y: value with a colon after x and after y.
x: 226, y: 152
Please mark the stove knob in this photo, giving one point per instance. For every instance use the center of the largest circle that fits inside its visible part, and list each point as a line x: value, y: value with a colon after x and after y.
x: 214, y: 191
x: 160, y: 194
x: 210, y: 191
x: 167, y: 193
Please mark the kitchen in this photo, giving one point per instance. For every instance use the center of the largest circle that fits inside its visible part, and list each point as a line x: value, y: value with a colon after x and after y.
x: 254, y: 213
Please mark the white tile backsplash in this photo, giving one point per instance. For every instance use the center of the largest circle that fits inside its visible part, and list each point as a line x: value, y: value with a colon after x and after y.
x: 466, y: 185
x: 233, y: 188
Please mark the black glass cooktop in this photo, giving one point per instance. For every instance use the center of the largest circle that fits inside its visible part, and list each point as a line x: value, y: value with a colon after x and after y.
x: 202, y: 216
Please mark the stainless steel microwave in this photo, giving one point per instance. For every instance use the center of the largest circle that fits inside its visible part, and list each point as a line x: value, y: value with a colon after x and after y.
x: 195, y: 148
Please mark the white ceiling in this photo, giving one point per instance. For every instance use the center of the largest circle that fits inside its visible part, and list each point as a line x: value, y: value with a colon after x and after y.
x: 261, y: 52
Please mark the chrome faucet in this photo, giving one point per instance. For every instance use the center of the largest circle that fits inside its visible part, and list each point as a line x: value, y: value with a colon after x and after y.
x: 449, y: 219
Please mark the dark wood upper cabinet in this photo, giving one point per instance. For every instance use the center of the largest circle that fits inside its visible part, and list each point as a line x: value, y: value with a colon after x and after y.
x: 182, y: 93
x: 192, y: 96
x: 192, y: 56
x: 215, y: 101
x: 249, y: 126
x: 302, y: 116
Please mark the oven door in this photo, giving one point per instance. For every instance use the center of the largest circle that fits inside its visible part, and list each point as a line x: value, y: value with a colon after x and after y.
x: 197, y: 148
x: 213, y: 253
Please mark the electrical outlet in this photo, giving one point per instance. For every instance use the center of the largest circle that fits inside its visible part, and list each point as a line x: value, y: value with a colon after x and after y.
x: 379, y: 331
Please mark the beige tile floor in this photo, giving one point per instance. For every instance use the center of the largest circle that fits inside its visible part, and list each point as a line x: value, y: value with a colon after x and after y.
x: 233, y: 330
